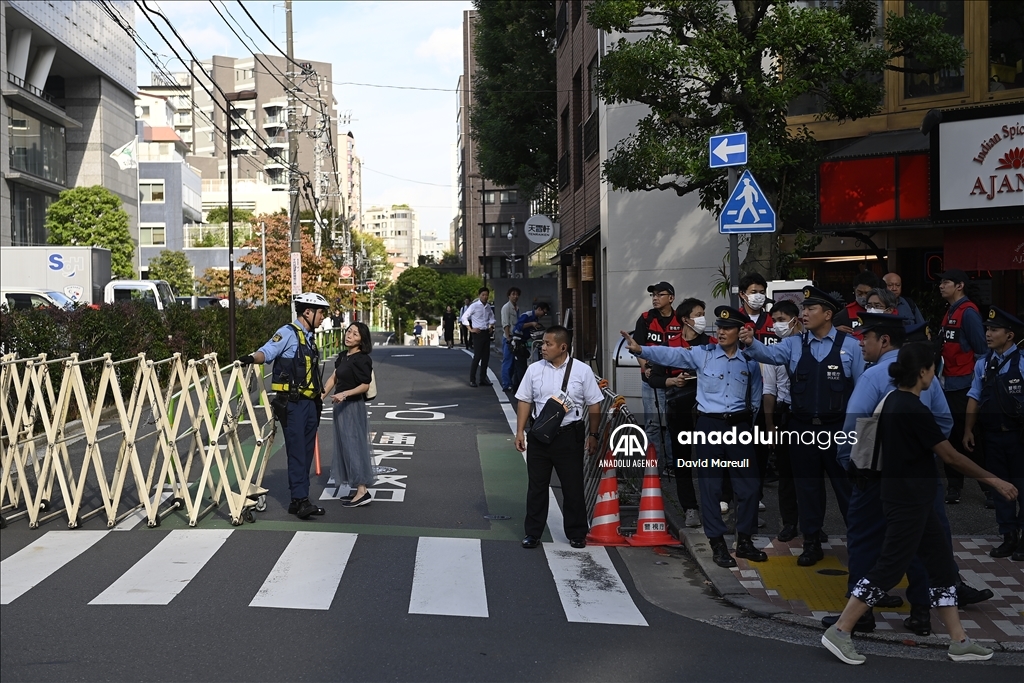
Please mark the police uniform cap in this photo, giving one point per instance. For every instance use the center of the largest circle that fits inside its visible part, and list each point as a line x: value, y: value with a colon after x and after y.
x: 662, y: 287
x: 997, y: 317
x: 814, y: 295
x: 875, y: 321
x: 917, y: 333
x: 728, y: 316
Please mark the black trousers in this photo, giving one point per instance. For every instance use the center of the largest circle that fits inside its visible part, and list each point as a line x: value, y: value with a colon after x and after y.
x: 464, y: 337
x: 565, y: 456
x: 680, y: 418
x: 957, y: 401
x: 481, y: 355
x: 810, y: 464
x: 788, y: 509
x: 912, y: 529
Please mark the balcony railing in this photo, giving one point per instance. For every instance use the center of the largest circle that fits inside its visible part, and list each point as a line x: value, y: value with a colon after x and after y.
x: 11, y: 78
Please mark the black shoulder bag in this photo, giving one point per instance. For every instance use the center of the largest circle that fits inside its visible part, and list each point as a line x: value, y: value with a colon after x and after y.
x: 545, y: 427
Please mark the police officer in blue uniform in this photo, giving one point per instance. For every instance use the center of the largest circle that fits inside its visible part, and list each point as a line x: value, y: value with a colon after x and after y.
x: 995, y: 403
x: 823, y: 365
x: 297, y: 403
x: 728, y: 397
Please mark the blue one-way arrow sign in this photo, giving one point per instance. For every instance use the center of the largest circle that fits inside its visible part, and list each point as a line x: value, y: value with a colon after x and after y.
x: 747, y: 210
x: 728, y: 150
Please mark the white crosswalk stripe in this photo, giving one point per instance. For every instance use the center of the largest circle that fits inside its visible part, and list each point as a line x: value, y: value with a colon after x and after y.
x: 28, y: 567
x: 449, y: 578
x: 448, y: 575
x: 308, y: 572
x: 165, y: 571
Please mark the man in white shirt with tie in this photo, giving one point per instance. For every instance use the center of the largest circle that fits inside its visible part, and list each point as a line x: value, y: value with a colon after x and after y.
x: 479, y: 318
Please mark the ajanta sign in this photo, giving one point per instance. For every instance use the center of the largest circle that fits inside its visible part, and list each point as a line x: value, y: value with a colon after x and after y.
x: 981, y: 163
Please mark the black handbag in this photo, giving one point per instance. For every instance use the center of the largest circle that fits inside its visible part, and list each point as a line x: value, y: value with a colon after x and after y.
x: 549, y: 421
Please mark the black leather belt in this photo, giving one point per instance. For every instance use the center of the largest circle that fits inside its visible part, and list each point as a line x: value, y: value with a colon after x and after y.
x: 738, y: 416
x: 571, y: 425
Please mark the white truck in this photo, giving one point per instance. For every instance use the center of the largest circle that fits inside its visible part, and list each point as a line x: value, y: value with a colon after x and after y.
x: 79, y: 273
x: 157, y: 293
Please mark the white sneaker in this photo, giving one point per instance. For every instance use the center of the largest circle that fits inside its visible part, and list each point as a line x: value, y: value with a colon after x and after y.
x: 761, y: 507
x: 724, y: 507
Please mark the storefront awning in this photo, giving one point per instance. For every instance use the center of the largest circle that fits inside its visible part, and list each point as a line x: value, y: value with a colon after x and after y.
x: 993, y: 248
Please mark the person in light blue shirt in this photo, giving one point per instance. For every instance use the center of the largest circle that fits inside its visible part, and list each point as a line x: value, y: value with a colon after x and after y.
x: 823, y: 363
x: 883, y: 335
x: 729, y: 391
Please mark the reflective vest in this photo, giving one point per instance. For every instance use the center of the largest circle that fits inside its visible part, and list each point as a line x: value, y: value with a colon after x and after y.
x: 1002, y: 395
x: 820, y: 390
x: 956, y: 361
x: 670, y: 335
x: 298, y: 377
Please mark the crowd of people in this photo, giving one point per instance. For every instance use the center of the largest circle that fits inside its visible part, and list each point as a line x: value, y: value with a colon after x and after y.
x: 811, y: 373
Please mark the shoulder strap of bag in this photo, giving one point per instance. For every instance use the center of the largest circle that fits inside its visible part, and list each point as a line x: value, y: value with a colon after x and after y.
x: 565, y: 379
x: 878, y: 442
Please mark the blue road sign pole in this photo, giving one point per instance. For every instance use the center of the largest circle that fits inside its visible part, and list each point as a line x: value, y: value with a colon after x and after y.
x: 734, y: 251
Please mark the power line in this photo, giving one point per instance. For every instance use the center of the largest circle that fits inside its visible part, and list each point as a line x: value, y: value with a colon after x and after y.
x: 269, y: 39
x: 408, y: 180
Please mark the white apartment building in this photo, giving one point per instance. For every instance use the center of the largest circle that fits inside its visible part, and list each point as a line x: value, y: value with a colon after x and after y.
x: 399, y: 227
x: 433, y: 246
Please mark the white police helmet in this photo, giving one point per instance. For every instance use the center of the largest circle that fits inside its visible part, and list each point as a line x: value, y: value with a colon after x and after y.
x: 310, y: 300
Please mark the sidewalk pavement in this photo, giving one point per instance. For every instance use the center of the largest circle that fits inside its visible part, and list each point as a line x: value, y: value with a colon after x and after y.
x: 780, y: 589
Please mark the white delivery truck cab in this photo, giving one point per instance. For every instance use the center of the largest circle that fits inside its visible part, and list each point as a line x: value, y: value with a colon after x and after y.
x: 157, y: 293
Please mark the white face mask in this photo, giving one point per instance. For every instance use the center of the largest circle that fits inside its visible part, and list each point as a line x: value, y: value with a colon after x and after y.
x: 876, y: 310
x: 782, y: 329
x: 756, y: 301
x: 699, y: 324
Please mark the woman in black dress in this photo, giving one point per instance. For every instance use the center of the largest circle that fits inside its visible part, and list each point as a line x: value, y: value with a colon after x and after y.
x: 909, y: 435
x: 349, y: 383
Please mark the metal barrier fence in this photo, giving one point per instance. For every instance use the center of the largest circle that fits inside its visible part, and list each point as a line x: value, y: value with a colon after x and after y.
x: 613, y: 414
x: 190, y: 436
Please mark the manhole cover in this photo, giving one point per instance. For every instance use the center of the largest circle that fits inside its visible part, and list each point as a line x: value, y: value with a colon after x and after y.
x: 497, y: 517
x: 379, y: 469
x: 833, y: 572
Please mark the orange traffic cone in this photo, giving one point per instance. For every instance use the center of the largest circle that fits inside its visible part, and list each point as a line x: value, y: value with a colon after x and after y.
x: 651, y: 527
x: 605, y: 526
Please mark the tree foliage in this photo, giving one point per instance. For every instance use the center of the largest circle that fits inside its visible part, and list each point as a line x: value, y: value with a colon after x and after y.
x: 92, y: 217
x: 174, y: 267
x: 514, y: 98
x: 705, y: 68
x: 219, y: 214
x: 423, y: 293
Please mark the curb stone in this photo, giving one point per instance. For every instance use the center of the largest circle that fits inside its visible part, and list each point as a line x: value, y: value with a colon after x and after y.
x: 726, y: 584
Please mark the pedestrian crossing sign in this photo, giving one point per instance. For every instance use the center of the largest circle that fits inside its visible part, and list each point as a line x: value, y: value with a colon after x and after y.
x: 747, y: 210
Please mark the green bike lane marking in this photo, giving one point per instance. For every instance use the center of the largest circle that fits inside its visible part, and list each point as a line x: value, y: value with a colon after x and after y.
x: 504, y: 478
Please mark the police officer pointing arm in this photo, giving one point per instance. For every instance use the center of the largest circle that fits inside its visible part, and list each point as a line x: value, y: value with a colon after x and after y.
x: 297, y: 403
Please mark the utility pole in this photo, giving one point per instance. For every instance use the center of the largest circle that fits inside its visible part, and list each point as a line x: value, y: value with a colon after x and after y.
x: 293, y: 158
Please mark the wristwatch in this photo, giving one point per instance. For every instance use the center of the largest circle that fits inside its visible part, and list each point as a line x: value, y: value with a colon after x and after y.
x: 594, y: 434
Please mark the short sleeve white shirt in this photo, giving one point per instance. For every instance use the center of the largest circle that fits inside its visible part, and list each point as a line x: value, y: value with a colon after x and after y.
x: 543, y: 380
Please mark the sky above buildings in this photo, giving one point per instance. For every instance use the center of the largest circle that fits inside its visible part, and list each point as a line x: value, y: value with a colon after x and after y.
x: 405, y: 132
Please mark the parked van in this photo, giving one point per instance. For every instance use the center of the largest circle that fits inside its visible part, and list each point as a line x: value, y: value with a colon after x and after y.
x: 157, y: 293
x: 24, y: 298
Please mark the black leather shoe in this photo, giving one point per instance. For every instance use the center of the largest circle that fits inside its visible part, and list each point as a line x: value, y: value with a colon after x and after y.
x: 919, y: 621
x: 721, y: 554
x: 486, y: 383
x: 473, y: 384
x: 1016, y: 557
x: 866, y: 623
x: 969, y: 595
x: 822, y: 536
x: 530, y: 542
x: 952, y: 496
x: 307, y: 509
x: 745, y: 548
x: 1008, y: 546
x: 812, y: 553
x: 578, y: 543
x: 293, y: 507
x: 890, y: 602
x: 788, y: 533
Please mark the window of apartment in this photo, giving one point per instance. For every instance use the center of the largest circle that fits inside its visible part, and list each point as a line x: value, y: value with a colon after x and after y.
x: 592, y: 83
x: 29, y: 215
x: 946, y: 81
x: 497, y: 229
x: 488, y: 197
x: 151, y: 191
x: 36, y: 146
x: 509, y: 196
x: 152, y: 235
x: 1005, y: 45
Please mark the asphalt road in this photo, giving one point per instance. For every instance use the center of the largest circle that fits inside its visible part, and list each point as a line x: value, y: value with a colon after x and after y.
x: 417, y: 586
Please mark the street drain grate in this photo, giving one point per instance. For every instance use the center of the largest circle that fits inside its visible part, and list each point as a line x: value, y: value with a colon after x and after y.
x: 497, y: 517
